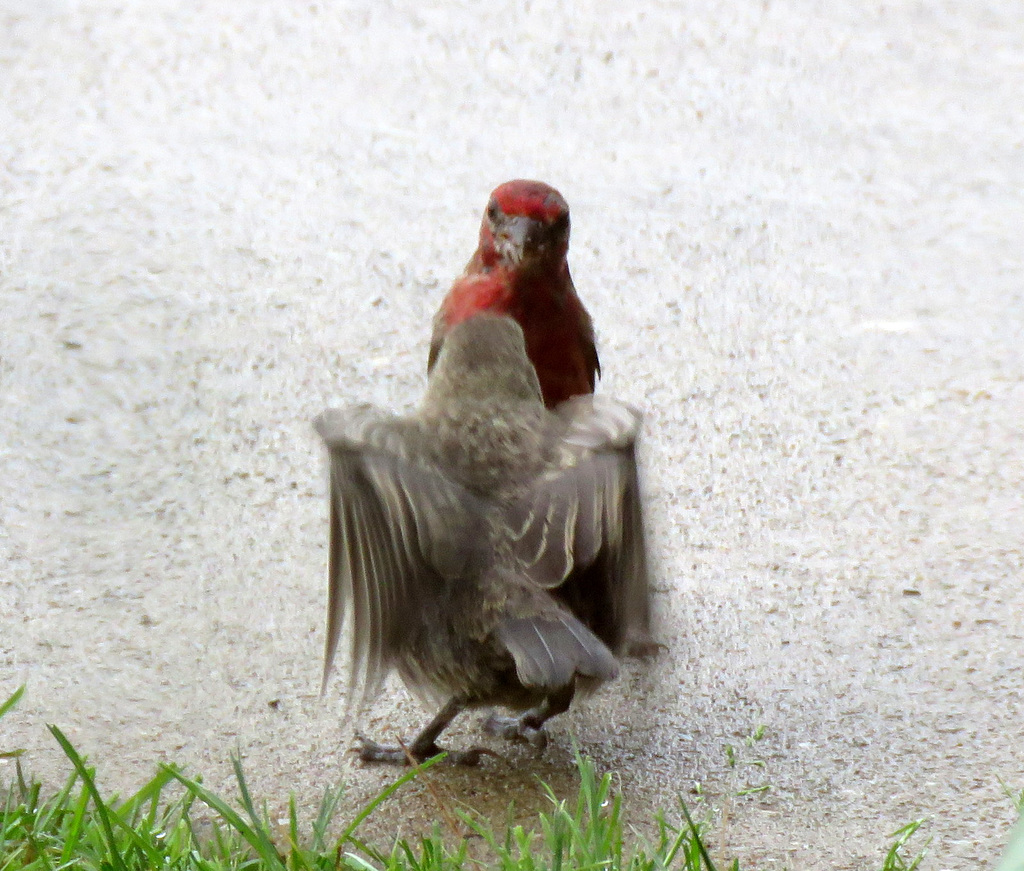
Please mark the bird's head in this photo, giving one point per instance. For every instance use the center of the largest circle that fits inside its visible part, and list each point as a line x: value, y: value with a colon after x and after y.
x: 525, y: 226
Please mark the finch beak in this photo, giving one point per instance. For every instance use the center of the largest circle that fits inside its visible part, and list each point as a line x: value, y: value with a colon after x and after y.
x: 519, y: 239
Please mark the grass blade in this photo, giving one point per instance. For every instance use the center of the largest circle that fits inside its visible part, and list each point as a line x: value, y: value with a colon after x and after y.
x: 12, y: 701
x: 696, y: 837
x: 256, y: 837
x: 1013, y: 858
x: 116, y: 859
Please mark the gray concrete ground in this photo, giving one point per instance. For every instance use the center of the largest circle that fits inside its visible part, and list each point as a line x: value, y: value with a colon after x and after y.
x: 799, y: 228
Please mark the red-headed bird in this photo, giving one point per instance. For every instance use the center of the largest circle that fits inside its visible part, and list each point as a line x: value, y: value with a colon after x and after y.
x: 520, y: 270
x: 454, y: 531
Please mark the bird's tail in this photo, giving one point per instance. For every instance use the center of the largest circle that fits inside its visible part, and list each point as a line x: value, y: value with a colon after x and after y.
x: 551, y: 650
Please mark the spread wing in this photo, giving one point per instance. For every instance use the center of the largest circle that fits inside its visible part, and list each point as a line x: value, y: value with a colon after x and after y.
x: 579, y: 530
x: 400, y: 530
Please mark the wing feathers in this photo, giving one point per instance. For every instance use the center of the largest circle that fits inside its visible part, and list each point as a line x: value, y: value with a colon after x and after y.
x: 402, y: 530
x: 581, y: 522
x: 399, y: 529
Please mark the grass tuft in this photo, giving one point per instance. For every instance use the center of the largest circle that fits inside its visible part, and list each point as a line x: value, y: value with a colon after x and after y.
x: 894, y: 859
x: 156, y: 828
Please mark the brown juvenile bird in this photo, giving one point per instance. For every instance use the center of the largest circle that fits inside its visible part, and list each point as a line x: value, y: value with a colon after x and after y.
x: 520, y: 269
x: 452, y: 532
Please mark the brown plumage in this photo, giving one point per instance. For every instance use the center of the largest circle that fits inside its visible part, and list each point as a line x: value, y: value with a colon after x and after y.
x: 453, y: 532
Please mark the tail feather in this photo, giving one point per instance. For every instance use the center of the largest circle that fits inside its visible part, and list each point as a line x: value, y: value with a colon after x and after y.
x: 549, y: 651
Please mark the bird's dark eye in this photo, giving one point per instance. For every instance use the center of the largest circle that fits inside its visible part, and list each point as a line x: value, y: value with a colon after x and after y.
x: 561, y: 223
x: 493, y: 211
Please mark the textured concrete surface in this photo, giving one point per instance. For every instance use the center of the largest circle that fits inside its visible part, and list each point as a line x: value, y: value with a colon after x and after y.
x: 799, y: 229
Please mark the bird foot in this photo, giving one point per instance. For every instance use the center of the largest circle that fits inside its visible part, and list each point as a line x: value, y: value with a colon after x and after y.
x: 644, y: 647
x: 516, y: 729
x: 371, y: 751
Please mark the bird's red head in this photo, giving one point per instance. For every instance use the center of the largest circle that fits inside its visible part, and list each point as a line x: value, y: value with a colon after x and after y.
x: 526, y: 226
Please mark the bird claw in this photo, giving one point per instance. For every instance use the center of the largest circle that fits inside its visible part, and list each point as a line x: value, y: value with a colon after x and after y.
x: 516, y: 729
x: 470, y: 757
x: 371, y: 751
x: 645, y: 647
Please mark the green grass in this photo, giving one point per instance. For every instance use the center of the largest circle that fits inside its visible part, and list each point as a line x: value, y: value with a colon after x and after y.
x: 176, y: 823
x: 894, y: 859
x: 78, y: 828
x: 1013, y: 857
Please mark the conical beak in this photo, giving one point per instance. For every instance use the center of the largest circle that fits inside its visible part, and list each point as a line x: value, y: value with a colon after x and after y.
x: 518, y: 237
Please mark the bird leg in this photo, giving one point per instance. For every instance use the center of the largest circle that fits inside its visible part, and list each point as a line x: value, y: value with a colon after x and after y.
x: 529, y: 726
x: 424, y: 746
x: 643, y: 646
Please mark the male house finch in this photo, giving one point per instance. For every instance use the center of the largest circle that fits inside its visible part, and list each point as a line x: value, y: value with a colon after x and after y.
x: 453, y: 530
x: 520, y: 270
